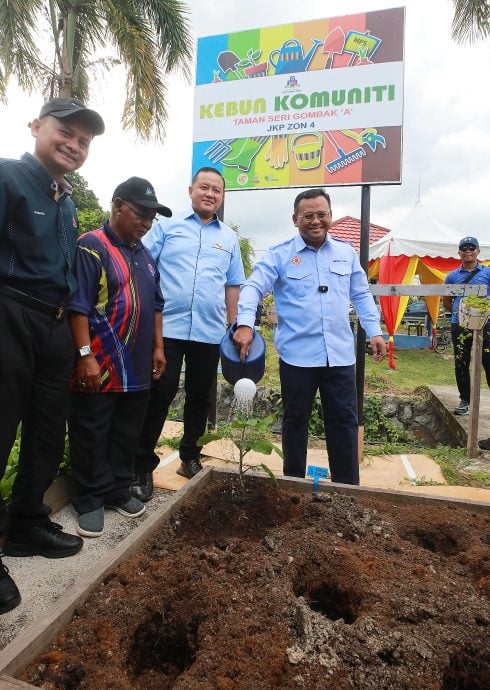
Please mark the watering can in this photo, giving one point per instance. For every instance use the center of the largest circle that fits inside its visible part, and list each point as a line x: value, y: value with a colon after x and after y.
x: 254, y: 365
x: 290, y: 57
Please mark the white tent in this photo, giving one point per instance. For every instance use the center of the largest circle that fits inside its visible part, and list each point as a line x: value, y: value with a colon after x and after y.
x: 420, y: 234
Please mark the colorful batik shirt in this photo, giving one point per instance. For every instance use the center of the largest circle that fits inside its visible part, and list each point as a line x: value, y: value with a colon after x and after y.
x: 118, y: 289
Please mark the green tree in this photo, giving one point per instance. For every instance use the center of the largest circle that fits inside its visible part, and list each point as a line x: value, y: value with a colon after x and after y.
x: 246, y: 249
x: 150, y: 38
x: 90, y: 220
x: 83, y: 197
x: 471, y: 20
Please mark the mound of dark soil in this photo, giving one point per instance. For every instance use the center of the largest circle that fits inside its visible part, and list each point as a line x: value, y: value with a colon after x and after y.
x: 266, y: 588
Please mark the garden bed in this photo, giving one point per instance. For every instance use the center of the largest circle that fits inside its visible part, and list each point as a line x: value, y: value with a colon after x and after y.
x: 282, y: 588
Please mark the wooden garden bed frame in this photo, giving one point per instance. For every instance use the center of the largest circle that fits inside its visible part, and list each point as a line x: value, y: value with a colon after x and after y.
x: 38, y: 636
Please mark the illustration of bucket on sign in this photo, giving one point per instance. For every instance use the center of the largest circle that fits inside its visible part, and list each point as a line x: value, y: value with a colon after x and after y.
x: 307, y: 150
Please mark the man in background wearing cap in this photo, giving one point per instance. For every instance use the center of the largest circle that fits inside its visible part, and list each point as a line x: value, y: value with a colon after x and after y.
x: 116, y: 322
x: 473, y: 273
x: 38, y: 232
x: 201, y: 270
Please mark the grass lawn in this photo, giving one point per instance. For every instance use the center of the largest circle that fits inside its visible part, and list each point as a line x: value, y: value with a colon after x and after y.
x: 414, y: 368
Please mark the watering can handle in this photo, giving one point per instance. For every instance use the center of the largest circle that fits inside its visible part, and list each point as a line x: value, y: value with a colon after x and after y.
x: 291, y: 42
x: 273, y: 52
x: 233, y: 328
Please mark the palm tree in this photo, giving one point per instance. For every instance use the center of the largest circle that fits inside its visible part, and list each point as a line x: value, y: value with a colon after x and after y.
x: 471, y: 20
x: 150, y: 38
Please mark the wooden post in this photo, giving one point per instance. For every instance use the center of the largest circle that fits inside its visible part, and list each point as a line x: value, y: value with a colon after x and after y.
x: 475, y: 393
x: 361, y: 334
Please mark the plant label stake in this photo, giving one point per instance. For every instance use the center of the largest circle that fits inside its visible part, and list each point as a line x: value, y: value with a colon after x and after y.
x: 317, y: 473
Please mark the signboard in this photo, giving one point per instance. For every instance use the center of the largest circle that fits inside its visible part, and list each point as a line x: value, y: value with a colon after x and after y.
x: 317, y: 103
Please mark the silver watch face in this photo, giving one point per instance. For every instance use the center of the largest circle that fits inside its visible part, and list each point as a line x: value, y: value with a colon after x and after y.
x: 85, y: 350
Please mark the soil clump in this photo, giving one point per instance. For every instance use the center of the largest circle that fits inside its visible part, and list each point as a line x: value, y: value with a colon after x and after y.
x: 263, y: 587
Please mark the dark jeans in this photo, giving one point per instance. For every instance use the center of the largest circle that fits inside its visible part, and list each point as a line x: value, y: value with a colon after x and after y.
x: 104, y: 430
x: 36, y: 361
x: 462, y: 343
x: 201, y: 362
x: 337, y: 386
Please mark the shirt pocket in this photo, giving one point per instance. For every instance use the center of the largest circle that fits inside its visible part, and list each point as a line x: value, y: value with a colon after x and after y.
x: 341, y: 273
x: 299, y: 279
x: 215, y: 257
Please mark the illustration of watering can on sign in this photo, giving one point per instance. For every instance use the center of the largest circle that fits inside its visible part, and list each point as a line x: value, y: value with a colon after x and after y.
x: 290, y: 58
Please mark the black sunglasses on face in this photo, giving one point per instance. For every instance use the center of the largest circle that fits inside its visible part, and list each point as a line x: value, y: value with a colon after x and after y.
x: 467, y: 248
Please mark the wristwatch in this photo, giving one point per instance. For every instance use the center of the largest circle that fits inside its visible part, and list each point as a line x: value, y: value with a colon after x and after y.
x: 85, y: 351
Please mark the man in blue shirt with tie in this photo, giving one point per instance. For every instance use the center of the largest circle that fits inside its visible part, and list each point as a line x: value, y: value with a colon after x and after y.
x: 314, y: 278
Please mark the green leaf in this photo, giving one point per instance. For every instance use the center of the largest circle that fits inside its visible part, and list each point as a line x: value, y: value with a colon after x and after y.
x: 268, y: 471
x: 278, y: 450
x: 262, y: 446
x: 207, y: 438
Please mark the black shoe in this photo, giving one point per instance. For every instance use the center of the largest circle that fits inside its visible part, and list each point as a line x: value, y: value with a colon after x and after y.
x: 142, y: 486
x: 484, y: 444
x: 189, y: 468
x: 45, y: 540
x: 462, y: 409
x: 9, y: 594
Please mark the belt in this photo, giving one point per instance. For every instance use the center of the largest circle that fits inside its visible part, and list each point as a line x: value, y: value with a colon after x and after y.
x: 57, y: 311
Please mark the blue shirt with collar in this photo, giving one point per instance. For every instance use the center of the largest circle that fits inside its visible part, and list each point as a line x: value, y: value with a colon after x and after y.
x: 313, y: 326
x: 38, y: 235
x: 458, y: 276
x: 195, y: 263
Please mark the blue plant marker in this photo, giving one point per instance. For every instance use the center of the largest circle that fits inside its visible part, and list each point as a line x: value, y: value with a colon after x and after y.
x: 317, y: 473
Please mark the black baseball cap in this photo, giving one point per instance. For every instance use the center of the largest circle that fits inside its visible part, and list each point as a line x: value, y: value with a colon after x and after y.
x: 141, y: 192
x: 469, y: 240
x: 68, y: 107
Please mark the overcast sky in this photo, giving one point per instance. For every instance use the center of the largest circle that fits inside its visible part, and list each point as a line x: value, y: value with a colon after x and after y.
x: 446, y: 140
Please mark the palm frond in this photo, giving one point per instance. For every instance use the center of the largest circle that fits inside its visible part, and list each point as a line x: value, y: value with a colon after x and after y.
x: 18, y: 22
x: 471, y: 20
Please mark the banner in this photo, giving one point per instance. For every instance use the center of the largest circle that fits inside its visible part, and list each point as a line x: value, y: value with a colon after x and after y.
x: 317, y: 103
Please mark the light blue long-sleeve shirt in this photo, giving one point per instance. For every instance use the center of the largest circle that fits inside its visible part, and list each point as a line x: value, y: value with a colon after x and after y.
x: 313, y: 326
x: 458, y: 276
x: 195, y: 262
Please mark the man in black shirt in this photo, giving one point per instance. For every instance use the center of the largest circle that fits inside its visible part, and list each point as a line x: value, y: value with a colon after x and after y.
x: 38, y: 232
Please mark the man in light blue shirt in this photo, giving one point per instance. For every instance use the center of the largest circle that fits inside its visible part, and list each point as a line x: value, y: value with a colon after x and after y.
x: 199, y: 261
x: 314, y: 279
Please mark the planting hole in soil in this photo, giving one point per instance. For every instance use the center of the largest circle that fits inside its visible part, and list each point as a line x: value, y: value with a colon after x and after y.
x: 257, y: 587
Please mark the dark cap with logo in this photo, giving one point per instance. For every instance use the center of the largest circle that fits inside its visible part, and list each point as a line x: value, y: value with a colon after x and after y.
x: 469, y: 240
x: 70, y: 107
x: 140, y: 192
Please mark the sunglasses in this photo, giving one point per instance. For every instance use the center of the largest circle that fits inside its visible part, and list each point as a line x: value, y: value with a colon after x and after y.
x: 467, y: 248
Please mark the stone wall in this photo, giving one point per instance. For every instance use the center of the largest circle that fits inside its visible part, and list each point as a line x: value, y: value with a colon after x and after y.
x: 416, y: 414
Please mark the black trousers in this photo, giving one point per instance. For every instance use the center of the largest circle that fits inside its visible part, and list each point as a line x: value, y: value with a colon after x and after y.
x: 201, y: 363
x: 104, y: 430
x: 462, y: 343
x: 337, y: 387
x: 36, y: 361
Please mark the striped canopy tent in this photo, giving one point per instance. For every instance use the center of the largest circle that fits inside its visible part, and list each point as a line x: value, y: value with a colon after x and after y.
x: 419, y: 246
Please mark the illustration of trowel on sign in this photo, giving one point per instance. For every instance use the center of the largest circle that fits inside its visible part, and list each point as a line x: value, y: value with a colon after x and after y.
x: 228, y: 61
x: 333, y: 45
